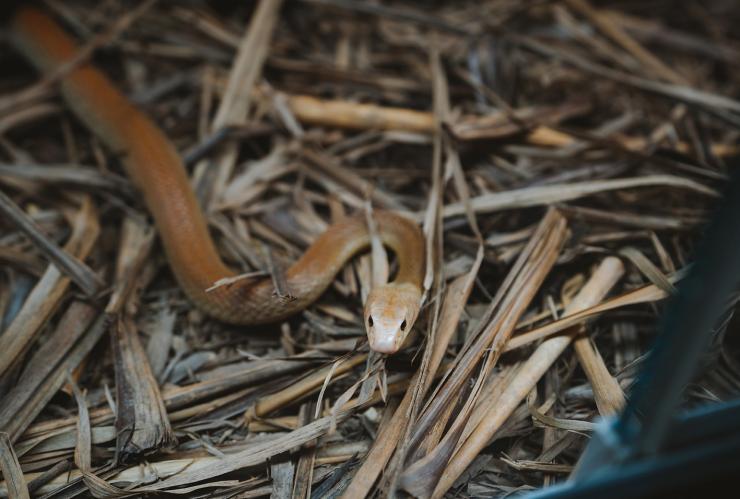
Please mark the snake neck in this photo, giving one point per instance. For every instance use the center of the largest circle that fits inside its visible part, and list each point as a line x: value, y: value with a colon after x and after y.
x: 312, y: 274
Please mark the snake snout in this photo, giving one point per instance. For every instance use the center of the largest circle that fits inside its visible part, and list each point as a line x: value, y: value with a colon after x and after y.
x: 387, y: 344
x: 390, y: 312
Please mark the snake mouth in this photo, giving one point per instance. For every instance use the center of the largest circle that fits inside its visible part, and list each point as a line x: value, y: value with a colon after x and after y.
x: 385, y: 344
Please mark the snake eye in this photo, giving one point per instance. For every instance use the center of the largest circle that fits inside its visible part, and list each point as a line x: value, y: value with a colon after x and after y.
x: 370, y: 320
x: 403, y: 325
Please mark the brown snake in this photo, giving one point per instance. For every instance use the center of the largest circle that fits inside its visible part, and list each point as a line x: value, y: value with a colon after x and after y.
x: 153, y: 164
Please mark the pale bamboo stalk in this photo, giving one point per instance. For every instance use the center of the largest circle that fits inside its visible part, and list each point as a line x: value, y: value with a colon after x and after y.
x: 496, y: 387
x: 356, y: 116
x: 604, y: 278
x: 645, y: 294
x: 544, y: 136
x: 547, y: 137
x: 363, y: 116
x: 718, y: 149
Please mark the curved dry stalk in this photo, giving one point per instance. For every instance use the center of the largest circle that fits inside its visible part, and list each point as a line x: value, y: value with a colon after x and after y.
x: 603, y: 279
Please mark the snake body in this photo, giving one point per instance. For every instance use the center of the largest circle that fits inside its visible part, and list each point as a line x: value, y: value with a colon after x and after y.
x: 156, y: 169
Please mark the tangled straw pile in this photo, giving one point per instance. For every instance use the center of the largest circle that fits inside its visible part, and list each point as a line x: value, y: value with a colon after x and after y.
x: 562, y: 158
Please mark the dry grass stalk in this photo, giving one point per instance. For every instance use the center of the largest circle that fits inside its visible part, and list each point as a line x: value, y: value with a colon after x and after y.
x: 282, y: 474
x: 549, y: 194
x: 47, y: 476
x: 68, y: 264
x: 243, y: 76
x: 27, y: 115
x: 389, y: 433
x: 48, y: 293
x: 510, y: 302
x: 141, y: 418
x: 607, y: 392
x: 304, y: 469
x: 647, y: 59
x: 137, y: 474
x: 72, y: 175
x: 192, y: 394
x: 43, y: 375
x: 302, y: 387
x: 604, y: 23
x: 83, y: 446
x: 136, y: 243
x: 648, y: 269
x: 434, y: 451
x: 254, y: 455
x: 350, y: 181
x: 603, y: 279
x: 14, y: 482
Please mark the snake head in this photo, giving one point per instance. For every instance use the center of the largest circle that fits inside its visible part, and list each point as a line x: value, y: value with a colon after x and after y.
x: 390, y: 312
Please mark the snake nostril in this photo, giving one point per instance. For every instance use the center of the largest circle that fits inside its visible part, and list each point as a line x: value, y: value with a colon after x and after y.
x: 403, y: 325
x: 370, y: 320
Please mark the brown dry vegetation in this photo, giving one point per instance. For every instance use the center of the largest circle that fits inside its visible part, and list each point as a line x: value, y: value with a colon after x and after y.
x: 562, y: 158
